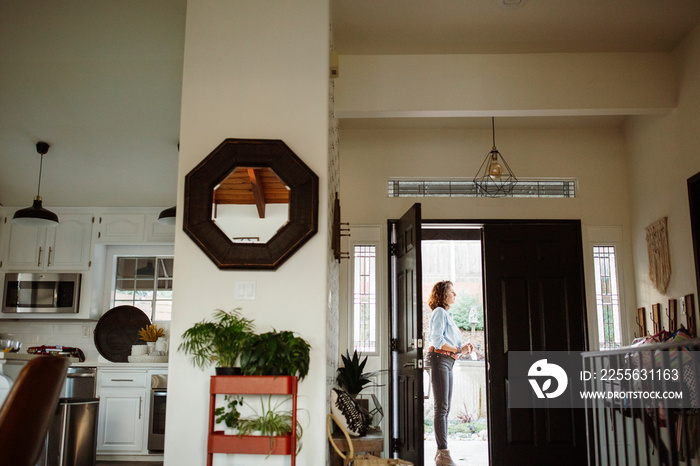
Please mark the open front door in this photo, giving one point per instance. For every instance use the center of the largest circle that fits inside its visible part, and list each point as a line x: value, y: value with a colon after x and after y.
x: 535, y: 302
x: 406, y: 391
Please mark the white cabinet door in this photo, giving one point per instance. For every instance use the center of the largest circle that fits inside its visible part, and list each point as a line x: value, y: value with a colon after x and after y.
x: 26, y: 248
x: 158, y: 232
x: 121, y: 228
x: 68, y: 245
x: 64, y: 247
x: 122, y: 420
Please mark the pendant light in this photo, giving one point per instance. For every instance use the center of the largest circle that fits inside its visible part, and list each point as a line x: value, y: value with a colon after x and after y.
x: 36, y: 215
x: 167, y: 216
x: 495, y: 178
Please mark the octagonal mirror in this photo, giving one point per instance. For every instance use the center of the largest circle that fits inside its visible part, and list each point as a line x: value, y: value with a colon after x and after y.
x: 250, y: 204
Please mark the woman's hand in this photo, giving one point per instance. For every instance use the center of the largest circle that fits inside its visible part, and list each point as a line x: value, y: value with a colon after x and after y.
x: 468, y: 348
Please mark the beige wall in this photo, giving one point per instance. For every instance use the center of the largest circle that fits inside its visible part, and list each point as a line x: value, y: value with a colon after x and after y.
x: 662, y: 155
x: 594, y: 156
x: 252, y: 70
x: 486, y: 85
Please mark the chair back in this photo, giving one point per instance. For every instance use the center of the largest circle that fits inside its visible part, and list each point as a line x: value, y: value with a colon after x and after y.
x: 29, y: 409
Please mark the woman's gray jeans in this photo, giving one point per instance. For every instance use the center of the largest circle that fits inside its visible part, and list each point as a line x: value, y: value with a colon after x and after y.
x: 441, y: 379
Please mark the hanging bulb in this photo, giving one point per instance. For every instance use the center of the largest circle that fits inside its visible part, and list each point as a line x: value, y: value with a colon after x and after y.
x: 495, y: 168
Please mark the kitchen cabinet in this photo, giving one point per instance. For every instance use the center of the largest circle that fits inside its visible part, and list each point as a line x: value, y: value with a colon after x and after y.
x: 66, y: 247
x: 123, y: 417
x: 132, y: 228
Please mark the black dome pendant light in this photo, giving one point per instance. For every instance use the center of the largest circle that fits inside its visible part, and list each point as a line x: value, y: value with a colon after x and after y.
x: 36, y: 215
x: 167, y: 216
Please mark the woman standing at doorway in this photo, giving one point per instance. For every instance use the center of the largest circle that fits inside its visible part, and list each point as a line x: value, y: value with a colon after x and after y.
x: 446, y: 345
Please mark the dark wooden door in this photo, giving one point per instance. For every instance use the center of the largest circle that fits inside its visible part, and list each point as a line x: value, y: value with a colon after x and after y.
x: 406, y: 393
x: 535, y: 301
x: 694, y: 203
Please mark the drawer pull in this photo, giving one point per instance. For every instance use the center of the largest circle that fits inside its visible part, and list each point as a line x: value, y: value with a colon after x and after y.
x: 122, y: 380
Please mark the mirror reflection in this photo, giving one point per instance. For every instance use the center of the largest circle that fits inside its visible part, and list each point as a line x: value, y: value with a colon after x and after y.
x: 251, y: 204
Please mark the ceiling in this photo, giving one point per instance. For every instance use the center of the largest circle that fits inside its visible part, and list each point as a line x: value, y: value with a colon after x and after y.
x: 100, y: 80
x: 510, y: 26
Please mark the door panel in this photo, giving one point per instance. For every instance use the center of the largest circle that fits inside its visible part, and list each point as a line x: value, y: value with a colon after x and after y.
x: 535, y: 302
x: 406, y: 325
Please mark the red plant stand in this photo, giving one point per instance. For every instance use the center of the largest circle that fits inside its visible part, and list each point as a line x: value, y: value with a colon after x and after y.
x: 219, y: 442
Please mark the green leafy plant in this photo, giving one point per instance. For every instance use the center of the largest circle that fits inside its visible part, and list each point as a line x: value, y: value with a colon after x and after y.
x: 276, y: 353
x: 220, y: 341
x: 271, y: 422
x: 229, y: 414
x: 350, y: 376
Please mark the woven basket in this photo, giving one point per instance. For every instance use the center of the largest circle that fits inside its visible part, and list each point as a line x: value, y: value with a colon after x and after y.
x: 363, y: 460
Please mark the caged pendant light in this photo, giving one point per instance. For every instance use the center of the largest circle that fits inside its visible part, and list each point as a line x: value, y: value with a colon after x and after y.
x: 36, y: 215
x: 494, y: 178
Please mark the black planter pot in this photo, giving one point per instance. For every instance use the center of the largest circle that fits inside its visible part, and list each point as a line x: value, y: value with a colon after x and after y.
x: 228, y: 371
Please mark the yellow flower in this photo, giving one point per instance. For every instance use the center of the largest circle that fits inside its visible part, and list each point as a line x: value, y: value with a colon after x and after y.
x: 150, y: 333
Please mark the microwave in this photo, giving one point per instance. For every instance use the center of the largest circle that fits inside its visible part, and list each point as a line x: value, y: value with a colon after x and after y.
x: 41, y: 293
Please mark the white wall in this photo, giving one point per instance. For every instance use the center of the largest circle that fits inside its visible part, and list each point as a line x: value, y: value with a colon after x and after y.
x: 252, y: 70
x: 662, y: 155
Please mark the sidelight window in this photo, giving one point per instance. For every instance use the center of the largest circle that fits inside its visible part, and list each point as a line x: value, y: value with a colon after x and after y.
x: 365, y: 298
x: 607, y: 297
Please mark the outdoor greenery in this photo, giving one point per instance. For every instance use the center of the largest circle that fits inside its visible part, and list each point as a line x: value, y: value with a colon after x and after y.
x: 458, y: 428
x: 460, y: 311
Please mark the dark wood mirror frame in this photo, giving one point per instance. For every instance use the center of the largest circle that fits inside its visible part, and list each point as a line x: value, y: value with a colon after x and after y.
x: 303, y: 203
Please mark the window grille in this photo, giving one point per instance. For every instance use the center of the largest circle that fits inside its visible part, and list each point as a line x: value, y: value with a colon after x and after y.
x: 365, y: 298
x: 525, y: 188
x: 607, y: 297
x: 146, y: 283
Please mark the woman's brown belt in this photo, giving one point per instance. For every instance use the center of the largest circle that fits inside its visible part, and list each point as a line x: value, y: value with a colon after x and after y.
x: 432, y: 349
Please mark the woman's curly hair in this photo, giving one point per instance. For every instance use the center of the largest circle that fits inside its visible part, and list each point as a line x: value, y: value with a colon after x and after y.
x: 438, y: 295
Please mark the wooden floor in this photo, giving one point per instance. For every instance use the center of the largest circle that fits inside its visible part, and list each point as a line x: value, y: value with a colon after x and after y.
x: 128, y: 463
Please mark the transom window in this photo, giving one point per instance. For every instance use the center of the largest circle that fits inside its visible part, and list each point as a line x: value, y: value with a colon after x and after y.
x: 525, y: 187
x: 145, y: 282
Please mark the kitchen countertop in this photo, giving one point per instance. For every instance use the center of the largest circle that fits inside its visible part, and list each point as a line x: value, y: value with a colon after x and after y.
x: 26, y: 357
x: 120, y: 365
x: 21, y: 357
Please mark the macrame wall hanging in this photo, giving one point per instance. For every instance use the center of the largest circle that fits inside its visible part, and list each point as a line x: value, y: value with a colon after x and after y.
x: 659, y: 256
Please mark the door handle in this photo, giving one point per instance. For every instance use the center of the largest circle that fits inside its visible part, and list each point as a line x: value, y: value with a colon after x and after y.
x: 416, y: 363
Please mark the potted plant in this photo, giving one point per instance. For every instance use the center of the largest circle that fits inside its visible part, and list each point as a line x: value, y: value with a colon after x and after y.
x: 229, y: 414
x: 150, y: 334
x: 276, y: 353
x: 221, y: 341
x: 270, y: 422
x: 350, y: 376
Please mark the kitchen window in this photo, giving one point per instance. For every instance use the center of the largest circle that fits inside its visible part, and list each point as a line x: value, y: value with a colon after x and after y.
x: 145, y: 282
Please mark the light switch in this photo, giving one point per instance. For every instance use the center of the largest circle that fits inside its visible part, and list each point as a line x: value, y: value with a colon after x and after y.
x: 245, y: 290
